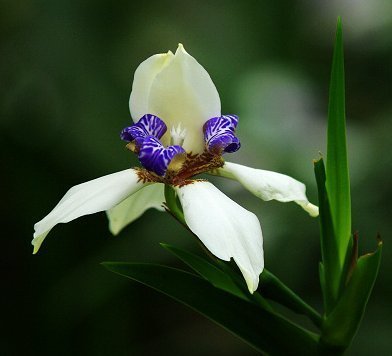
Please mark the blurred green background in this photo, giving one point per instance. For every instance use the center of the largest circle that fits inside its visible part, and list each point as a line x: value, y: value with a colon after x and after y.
x: 66, y: 69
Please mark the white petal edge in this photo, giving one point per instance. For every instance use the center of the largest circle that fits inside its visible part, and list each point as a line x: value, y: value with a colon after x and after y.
x: 225, y: 228
x: 88, y: 198
x: 183, y: 92
x: 134, y: 206
x: 269, y: 185
x: 144, y: 76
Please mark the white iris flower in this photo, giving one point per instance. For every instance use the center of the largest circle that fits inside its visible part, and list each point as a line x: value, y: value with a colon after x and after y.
x: 174, y: 91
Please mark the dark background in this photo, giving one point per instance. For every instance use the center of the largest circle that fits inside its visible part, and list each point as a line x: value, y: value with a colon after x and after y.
x: 66, y: 69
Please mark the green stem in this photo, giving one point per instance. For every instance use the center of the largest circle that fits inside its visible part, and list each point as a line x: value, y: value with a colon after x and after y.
x: 172, y: 204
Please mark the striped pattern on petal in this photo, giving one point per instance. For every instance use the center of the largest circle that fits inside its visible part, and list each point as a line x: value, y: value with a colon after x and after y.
x: 146, y: 126
x: 155, y: 157
x: 219, y: 134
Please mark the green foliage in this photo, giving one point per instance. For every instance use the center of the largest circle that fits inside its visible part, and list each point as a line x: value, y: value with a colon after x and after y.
x: 273, y: 288
x: 338, y: 182
x: 207, y: 270
x: 223, y: 277
x: 330, y: 271
x: 346, y: 282
x: 262, y: 329
x: 342, y: 324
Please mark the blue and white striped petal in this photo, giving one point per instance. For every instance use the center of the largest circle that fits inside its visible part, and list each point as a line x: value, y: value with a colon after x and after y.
x: 155, y: 157
x: 146, y: 126
x: 219, y: 134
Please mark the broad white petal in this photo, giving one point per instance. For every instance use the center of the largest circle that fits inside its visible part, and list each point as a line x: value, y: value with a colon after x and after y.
x: 87, y: 198
x: 269, y: 185
x: 144, y: 76
x: 183, y: 92
x: 134, y: 206
x: 225, y: 228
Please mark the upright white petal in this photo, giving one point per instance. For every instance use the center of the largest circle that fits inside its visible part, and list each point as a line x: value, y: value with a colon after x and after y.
x: 134, y: 206
x: 225, y: 228
x: 144, y: 77
x: 87, y: 198
x: 178, y: 90
x: 269, y: 185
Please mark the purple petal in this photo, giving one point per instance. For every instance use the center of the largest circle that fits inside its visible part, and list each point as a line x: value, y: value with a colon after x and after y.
x: 219, y: 134
x: 233, y: 119
x: 146, y: 126
x: 155, y: 157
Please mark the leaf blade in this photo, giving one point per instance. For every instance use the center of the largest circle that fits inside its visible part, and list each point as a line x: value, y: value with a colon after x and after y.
x: 259, y: 328
x: 273, y: 288
x: 338, y: 182
x: 214, y: 275
x: 330, y: 269
x: 343, y: 322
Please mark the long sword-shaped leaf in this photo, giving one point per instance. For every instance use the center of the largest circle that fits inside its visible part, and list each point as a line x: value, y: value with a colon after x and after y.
x: 273, y: 288
x: 330, y: 270
x: 270, y: 286
x: 338, y: 183
x: 265, y: 331
x: 207, y: 270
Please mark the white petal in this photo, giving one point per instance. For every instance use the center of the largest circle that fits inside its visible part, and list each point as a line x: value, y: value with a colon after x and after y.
x: 269, y: 185
x: 225, y: 228
x: 134, y: 206
x: 144, y: 76
x: 87, y: 198
x: 183, y: 92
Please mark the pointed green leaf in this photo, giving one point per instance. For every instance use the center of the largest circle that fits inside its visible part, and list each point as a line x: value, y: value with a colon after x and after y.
x: 322, y: 281
x: 338, y: 183
x: 272, y: 288
x: 343, y: 322
x: 330, y: 269
x: 207, y: 270
x: 232, y: 270
x: 262, y: 329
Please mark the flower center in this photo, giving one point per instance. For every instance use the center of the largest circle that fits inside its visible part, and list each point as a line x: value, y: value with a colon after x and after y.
x: 177, y: 135
x: 171, y: 164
